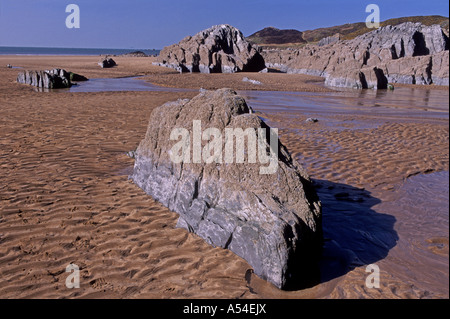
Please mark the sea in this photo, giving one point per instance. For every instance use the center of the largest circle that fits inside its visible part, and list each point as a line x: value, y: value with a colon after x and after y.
x: 70, y: 51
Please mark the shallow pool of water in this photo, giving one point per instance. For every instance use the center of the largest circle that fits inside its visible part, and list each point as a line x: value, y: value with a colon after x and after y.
x: 118, y: 84
x: 401, y: 103
x: 409, y: 102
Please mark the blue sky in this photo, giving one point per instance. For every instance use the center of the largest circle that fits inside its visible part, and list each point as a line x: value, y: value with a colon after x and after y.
x: 148, y: 24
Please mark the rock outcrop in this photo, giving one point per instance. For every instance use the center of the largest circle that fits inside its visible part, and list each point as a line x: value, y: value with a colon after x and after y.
x: 107, y: 63
x: 135, y: 54
x: 49, y: 79
x: 272, y: 219
x: 219, y: 49
x: 329, y: 40
x: 74, y: 77
x: 399, y: 54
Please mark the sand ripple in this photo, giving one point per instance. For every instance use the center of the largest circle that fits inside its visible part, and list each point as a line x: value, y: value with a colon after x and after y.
x: 65, y: 198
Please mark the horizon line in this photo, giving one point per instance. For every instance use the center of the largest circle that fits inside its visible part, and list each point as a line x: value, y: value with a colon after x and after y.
x: 46, y: 47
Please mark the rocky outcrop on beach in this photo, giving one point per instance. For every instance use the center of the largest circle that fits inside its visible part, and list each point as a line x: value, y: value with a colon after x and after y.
x: 49, y: 79
x: 329, y: 40
x: 219, y: 49
x: 107, y: 63
x: 409, y: 53
x: 269, y: 214
x: 74, y: 77
x: 135, y: 54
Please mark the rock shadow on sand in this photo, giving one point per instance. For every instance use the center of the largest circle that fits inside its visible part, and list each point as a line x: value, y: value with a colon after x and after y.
x: 354, y: 234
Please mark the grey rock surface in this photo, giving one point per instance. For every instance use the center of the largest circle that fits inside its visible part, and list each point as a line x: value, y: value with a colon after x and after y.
x: 219, y: 49
x: 329, y: 40
x: 273, y: 221
x: 405, y: 53
x: 49, y: 79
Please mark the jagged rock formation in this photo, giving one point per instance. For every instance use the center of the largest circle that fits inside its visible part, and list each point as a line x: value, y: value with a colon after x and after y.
x: 107, y: 63
x: 399, y: 54
x: 329, y: 40
x: 272, y: 220
x: 52, y: 79
x: 219, y: 49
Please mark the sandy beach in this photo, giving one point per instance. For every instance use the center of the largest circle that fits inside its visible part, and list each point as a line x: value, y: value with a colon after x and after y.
x: 65, y: 196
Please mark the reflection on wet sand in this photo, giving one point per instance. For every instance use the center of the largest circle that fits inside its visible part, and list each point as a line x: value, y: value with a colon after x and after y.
x: 355, y: 234
x: 366, y: 145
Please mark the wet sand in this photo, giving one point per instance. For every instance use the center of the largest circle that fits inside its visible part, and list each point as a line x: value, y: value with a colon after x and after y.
x: 65, y: 196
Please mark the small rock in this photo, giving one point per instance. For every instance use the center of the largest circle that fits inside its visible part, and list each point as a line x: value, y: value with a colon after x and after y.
x: 131, y: 154
x: 312, y: 120
x: 107, y: 63
x: 135, y: 54
x: 77, y: 77
x: 246, y: 79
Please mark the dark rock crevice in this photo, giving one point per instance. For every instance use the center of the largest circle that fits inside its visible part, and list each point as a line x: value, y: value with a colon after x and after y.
x: 420, y: 47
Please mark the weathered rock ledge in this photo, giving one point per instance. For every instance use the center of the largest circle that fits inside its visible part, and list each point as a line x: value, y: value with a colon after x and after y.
x: 409, y: 53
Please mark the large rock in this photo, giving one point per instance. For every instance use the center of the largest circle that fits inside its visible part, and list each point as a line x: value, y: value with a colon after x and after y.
x: 269, y: 215
x: 404, y: 53
x: 74, y: 77
x: 219, y: 49
x: 49, y: 79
